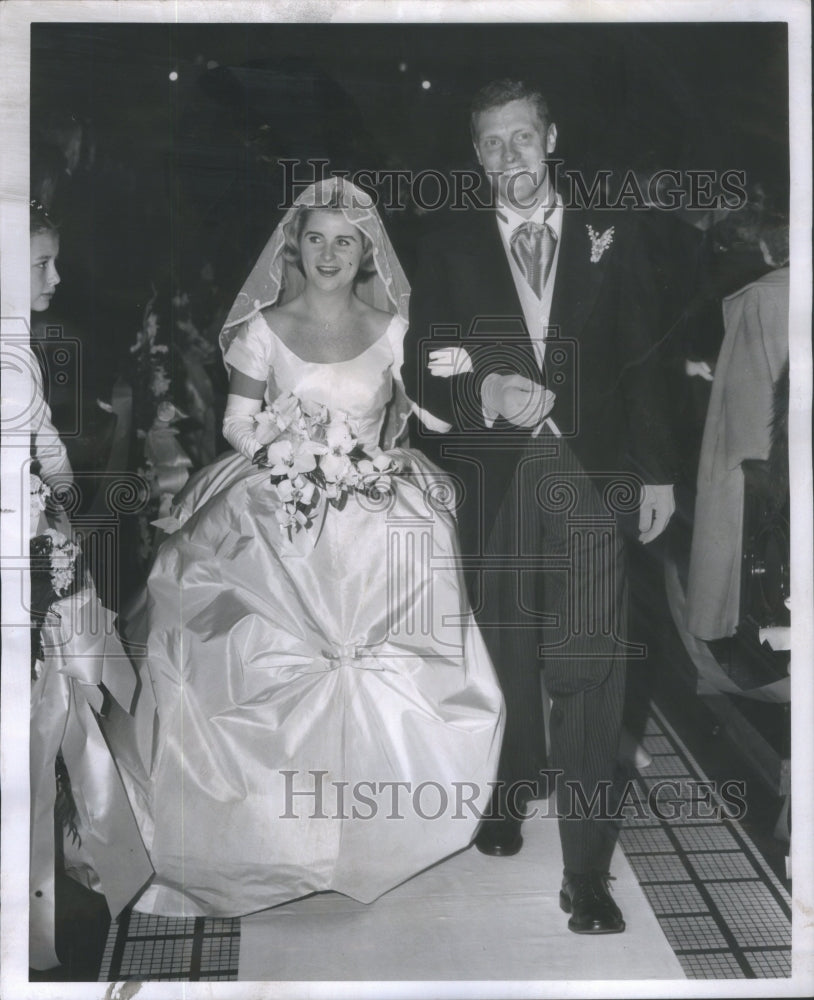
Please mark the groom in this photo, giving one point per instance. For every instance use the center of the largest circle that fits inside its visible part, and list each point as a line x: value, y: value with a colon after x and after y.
x: 531, y: 343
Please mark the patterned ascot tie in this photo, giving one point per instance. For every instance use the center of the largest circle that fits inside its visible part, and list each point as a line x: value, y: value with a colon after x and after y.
x: 533, y: 246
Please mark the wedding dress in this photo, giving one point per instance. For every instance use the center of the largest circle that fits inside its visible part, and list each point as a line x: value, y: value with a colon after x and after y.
x: 328, y: 716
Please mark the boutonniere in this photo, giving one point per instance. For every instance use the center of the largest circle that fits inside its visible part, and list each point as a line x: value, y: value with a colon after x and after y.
x: 599, y: 242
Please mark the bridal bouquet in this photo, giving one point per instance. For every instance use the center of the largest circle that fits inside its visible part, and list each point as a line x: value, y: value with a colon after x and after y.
x: 314, y: 454
x: 52, y: 569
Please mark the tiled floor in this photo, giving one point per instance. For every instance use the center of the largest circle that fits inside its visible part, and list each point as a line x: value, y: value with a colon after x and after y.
x: 723, y: 910
x: 719, y: 904
x: 166, y: 948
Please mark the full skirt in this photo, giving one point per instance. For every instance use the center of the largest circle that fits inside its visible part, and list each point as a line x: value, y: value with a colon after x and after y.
x: 328, y: 717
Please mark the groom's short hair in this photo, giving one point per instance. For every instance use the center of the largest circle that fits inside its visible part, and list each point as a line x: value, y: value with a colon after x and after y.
x: 500, y: 92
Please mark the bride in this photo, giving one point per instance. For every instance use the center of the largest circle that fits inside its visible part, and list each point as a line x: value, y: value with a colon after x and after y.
x: 327, y: 715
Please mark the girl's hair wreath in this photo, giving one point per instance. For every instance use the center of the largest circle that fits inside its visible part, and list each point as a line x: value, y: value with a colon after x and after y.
x: 39, y: 219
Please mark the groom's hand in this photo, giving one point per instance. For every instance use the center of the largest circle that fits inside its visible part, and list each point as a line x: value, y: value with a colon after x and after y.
x: 517, y: 399
x: 658, y: 504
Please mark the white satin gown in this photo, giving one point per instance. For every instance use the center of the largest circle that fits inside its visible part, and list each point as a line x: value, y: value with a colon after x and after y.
x: 328, y: 716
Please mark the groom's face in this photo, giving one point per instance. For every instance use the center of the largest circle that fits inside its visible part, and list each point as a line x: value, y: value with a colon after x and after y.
x: 512, y: 144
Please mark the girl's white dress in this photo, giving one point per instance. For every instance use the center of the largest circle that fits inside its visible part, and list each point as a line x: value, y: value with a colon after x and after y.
x: 328, y: 716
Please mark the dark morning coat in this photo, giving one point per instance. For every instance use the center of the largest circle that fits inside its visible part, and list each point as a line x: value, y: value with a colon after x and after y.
x: 603, y: 365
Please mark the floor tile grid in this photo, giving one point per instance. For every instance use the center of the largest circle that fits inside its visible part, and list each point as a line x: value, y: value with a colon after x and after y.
x: 158, y: 948
x: 699, y: 879
x: 694, y: 916
x: 745, y: 844
x: 656, y: 857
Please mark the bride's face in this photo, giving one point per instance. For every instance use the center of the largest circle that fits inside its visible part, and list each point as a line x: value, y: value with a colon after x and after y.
x: 331, y: 250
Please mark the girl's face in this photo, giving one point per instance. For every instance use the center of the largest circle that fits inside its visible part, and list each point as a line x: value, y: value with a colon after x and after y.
x: 44, y: 276
x: 331, y: 250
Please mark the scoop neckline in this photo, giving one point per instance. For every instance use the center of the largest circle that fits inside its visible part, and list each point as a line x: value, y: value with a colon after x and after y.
x: 323, y: 364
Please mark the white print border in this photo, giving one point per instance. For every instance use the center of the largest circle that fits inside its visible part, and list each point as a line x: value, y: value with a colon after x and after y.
x: 14, y: 69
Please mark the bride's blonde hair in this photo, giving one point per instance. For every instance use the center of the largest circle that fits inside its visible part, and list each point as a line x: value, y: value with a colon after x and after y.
x: 293, y: 230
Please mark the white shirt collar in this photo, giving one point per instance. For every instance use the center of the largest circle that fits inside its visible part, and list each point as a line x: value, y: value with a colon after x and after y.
x: 509, y: 219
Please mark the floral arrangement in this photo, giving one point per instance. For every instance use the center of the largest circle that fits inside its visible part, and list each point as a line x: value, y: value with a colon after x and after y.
x: 190, y: 339
x: 173, y: 405
x: 151, y: 400
x: 150, y: 377
x: 314, y: 454
x: 153, y: 362
x: 53, y: 560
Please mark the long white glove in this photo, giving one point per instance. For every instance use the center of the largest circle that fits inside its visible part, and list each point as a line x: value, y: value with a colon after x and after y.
x: 448, y: 361
x: 516, y: 398
x: 239, y: 426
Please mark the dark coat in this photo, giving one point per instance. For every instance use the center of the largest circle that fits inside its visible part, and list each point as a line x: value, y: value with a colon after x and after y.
x: 605, y: 371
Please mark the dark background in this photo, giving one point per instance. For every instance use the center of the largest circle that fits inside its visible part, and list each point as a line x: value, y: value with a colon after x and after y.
x: 709, y: 93
x: 186, y: 171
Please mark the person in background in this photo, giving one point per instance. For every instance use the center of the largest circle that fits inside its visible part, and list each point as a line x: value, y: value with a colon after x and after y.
x: 752, y: 360
x: 47, y: 446
x: 76, y: 386
x: 79, y: 670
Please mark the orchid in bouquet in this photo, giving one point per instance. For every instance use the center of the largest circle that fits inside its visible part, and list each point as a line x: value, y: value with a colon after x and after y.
x: 313, y: 454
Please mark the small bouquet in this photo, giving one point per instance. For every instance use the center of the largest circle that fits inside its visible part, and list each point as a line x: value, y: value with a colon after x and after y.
x: 40, y: 495
x: 53, y: 575
x: 314, y: 454
x: 52, y: 570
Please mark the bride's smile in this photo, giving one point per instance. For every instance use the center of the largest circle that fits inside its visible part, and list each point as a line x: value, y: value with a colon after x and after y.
x: 331, y: 250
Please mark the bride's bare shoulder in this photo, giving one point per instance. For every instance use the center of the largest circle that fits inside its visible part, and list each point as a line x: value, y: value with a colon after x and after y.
x: 376, y: 320
x: 280, y: 318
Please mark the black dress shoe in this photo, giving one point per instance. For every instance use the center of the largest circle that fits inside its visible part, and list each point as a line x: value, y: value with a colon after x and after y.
x: 499, y: 837
x: 587, y: 898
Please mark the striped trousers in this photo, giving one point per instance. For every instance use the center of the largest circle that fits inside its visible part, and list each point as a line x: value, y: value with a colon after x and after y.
x: 550, y: 595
